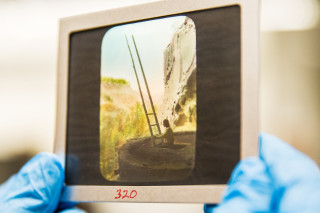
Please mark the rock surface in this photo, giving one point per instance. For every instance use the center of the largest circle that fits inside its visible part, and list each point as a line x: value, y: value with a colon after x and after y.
x: 179, y: 102
x: 139, y: 161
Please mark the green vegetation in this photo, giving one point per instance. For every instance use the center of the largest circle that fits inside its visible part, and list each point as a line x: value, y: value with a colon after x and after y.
x: 107, y: 98
x: 114, y: 81
x: 116, y: 127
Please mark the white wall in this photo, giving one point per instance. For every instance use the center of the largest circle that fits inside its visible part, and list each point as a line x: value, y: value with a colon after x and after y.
x: 290, y: 88
x: 28, y: 59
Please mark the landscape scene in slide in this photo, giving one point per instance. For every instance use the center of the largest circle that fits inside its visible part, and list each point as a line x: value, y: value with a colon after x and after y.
x: 148, y: 104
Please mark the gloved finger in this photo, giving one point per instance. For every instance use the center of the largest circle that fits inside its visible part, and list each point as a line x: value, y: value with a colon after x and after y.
x: 66, y: 205
x: 249, y: 189
x: 209, y: 207
x: 35, y: 188
x: 72, y: 210
x: 285, y: 163
x: 296, y: 176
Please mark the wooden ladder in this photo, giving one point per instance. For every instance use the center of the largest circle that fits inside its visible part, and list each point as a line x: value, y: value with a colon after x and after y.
x: 153, y: 113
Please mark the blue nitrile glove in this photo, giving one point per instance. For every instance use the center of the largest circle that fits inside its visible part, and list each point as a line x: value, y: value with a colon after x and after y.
x: 281, y: 180
x: 36, y: 188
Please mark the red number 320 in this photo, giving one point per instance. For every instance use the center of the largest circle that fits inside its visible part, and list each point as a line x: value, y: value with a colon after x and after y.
x: 125, y: 194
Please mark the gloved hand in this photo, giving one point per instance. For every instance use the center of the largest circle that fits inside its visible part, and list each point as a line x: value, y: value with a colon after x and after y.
x: 36, y: 188
x: 282, y: 179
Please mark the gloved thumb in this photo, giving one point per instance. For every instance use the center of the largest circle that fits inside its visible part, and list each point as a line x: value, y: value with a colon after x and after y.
x: 73, y: 210
x: 249, y: 189
x: 35, y: 188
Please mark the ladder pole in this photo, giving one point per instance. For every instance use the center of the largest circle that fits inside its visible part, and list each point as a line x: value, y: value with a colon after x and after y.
x: 141, y: 95
x: 145, y: 81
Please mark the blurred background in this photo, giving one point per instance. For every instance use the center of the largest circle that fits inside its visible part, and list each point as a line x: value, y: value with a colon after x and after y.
x: 289, y: 80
